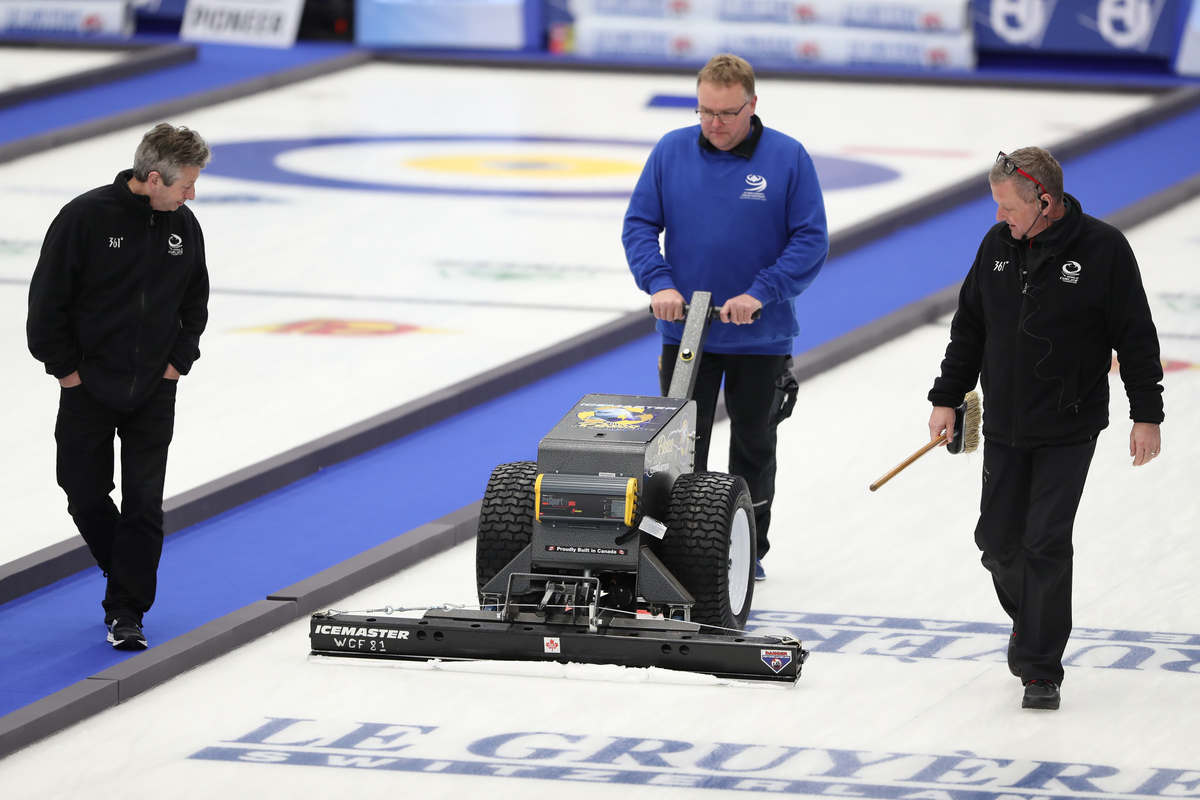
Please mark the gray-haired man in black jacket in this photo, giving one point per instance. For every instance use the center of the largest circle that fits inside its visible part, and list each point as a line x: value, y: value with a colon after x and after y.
x: 117, y: 304
x: 1051, y: 294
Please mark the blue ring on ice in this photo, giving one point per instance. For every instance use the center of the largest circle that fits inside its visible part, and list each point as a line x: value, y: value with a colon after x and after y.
x: 256, y: 161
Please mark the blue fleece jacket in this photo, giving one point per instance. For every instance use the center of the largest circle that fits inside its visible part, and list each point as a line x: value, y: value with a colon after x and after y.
x: 734, y: 225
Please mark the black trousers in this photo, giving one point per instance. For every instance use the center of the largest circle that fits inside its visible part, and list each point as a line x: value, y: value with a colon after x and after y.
x: 126, y: 544
x: 751, y: 402
x: 1027, y: 516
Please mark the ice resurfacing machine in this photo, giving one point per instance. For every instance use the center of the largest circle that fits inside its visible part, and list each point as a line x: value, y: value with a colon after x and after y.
x: 609, y: 549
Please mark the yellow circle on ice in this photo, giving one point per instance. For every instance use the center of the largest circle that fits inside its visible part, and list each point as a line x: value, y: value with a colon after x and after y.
x: 526, y: 166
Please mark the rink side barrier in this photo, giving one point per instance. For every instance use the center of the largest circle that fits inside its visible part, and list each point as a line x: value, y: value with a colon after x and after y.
x: 143, y: 58
x: 55, y: 562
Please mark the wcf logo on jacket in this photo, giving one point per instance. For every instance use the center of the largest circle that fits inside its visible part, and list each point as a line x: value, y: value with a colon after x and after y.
x: 756, y: 186
x: 1070, y: 272
x: 175, y: 245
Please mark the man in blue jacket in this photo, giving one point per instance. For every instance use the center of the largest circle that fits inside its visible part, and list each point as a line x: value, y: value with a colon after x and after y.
x: 1051, y: 294
x: 744, y: 220
x: 117, y: 303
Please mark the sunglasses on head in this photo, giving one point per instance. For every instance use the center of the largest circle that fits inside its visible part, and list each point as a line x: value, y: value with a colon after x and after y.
x: 1010, y: 167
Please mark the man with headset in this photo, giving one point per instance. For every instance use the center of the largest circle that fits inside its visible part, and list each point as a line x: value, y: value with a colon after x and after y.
x: 1051, y: 294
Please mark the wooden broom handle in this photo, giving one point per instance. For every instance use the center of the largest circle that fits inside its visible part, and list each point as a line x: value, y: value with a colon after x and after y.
x: 906, y: 462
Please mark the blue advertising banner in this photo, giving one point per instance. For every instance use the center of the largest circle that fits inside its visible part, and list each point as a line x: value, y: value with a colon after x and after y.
x: 1138, y: 28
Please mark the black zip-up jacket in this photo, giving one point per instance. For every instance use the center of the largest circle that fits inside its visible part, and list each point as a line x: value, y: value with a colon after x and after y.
x: 1037, y: 322
x: 120, y: 291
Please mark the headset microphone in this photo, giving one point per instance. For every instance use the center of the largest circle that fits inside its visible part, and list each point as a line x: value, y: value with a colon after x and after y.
x: 1044, y: 204
x: 1025, y: 235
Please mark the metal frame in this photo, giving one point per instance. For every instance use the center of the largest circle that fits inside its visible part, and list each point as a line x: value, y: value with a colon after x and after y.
x: 468, y: 635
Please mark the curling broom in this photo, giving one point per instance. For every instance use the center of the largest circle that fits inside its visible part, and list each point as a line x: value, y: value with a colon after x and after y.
x: 966, y: 437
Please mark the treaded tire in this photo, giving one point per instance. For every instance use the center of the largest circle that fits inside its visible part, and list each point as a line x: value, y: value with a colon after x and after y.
x: 710, y: 525
x: 505, y: 519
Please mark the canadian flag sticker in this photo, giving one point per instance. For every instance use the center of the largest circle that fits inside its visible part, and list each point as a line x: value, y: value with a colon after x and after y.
x: 551, y: 644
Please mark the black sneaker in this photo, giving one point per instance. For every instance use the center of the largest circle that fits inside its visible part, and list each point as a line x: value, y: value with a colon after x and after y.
x: 1011, y: 666
x: 1041, y: 694
x: 125, y: 633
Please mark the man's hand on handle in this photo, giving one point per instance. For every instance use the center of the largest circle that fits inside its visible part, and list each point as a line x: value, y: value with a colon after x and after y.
x: 667, y: 304
x: 740, y: 310
x: 941, y: 421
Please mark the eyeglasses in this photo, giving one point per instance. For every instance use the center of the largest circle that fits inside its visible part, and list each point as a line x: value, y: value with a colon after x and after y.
x: 1010, y: 167
x: 725, y: 116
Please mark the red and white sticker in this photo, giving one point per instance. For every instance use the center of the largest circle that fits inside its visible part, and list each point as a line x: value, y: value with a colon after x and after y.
x: 776, y: 659
x: 551, y: 644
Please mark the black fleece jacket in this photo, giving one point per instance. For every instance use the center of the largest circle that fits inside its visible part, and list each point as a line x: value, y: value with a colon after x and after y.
x: 1037, y: 323
x: 120, y: 291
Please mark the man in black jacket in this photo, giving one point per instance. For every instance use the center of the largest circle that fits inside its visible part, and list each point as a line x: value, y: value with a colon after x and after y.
x: 1051, y: 294
x: 117, y: 304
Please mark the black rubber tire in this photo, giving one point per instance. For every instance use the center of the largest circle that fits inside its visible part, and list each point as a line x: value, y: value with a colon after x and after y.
x: 505, y: 519
x: 697, y: 546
